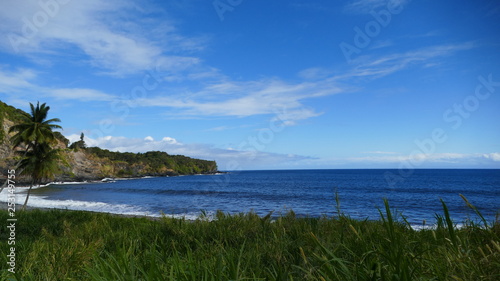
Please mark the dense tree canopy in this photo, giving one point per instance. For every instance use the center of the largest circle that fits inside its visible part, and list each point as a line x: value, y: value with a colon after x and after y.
x: 158, y: 160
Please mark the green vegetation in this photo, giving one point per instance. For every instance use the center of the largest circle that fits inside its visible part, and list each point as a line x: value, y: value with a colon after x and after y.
x: 158, y: 162
x: 79, y: 144
x: 61, y: 138
x: 10, y: 113
x: 34, y: 135
x: 34, y: 129
x: 75, y: 245
x: 98, y: 163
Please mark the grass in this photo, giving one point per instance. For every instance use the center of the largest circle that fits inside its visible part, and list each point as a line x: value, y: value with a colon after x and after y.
x: 77, y: 245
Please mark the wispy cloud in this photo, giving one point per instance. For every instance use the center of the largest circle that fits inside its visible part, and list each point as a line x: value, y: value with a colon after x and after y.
x: 22, y: 84
x: 418, y: 161
x: 380, y: 152
x: 363, y: 6
x: 316, y: 6
x: 287, y: 100
x: 450, y: 158
x: 225, y: 128
x: 315, y: 73
x: 219, y: 96
x: 379, y: 44
x: 219, y: 129
x: 79, y: 94
x: 366, y: 6
x: 432, y: 33
x: 13, y: 80
x: 128, y: 45
x: 376, y: 67
x: 242, y: 99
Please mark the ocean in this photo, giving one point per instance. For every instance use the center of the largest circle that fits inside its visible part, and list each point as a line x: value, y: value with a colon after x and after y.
x: 307, y: 192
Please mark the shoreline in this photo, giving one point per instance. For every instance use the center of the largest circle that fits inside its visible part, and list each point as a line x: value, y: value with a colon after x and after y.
x: 4, y: 207
x: 22, y: 184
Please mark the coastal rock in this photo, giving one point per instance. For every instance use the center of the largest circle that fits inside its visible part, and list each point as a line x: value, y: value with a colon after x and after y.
x: 92, y: 164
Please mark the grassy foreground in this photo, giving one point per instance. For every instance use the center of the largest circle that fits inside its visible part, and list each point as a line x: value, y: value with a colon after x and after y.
x: 77, y: 245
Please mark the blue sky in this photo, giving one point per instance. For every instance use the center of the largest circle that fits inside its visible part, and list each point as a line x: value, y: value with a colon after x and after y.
x: 265, y: 84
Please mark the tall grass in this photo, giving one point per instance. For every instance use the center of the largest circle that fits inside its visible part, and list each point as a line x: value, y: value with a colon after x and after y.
x: 76, y: 245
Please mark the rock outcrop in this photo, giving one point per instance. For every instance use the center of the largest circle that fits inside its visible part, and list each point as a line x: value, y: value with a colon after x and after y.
x: 96, y: 164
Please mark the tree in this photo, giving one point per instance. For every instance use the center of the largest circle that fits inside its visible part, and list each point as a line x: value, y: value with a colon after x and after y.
x: 35, y: 134
x: 34, y: 129
x: 79, y: 144
x: 40, y: 163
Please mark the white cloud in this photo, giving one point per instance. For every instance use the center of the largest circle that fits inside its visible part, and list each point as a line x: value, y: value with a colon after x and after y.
x: 79, y: 94
x: 13, y: 80
x: 108, y: 33
x: 225, y: 97
x: 21, y: 83
x: 252, y: 158
x: 271, y: 96
x: 376, y: 67
x: 170, y: 140
x: 493, y: 156
x: 242, y: 99
x: 117, y: 42
x: 227, y: 159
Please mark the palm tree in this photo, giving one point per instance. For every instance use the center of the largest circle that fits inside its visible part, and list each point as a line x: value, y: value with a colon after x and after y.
x: 35, y: 134
x: 34, y: 129
x: 40, y: 163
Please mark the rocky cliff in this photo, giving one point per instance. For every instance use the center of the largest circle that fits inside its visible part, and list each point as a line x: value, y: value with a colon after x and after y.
x: 85, y: 164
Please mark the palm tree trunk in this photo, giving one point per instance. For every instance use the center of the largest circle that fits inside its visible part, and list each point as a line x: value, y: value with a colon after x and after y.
x: 28, y: 195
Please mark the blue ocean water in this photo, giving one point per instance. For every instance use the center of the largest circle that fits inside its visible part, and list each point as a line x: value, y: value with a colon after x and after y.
x: 306, y: 192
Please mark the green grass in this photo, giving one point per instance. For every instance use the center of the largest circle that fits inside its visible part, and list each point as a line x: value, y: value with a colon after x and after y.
x: 77, y: 245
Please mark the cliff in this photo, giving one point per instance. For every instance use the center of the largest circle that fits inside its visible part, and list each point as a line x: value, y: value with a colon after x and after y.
x: 80, y: 164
